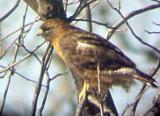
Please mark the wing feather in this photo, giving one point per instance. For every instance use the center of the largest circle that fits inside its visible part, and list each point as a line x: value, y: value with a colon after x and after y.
x: 95, y: 51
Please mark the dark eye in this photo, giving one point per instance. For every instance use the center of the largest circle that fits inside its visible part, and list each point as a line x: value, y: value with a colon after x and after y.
x: 45, y: 29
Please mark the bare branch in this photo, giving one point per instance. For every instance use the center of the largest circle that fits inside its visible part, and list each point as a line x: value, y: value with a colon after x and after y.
x: 129, y: 16
x: 96, y: 22
x: 10, y: 11
x: 11, y: 71
x: 45, y: 60
x: 47, y: 90
x: 81, y: 6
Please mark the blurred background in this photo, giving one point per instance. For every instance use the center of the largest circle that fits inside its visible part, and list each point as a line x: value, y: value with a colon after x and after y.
x: 61, y: 100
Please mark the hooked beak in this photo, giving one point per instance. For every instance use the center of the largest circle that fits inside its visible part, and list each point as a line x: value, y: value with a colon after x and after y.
x: 39, y: 32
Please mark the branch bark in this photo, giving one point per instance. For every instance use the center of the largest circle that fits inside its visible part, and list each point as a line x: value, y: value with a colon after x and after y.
x: 48, y: 8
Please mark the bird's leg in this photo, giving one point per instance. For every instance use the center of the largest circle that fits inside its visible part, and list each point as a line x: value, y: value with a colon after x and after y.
x: 81, y: 104
x: 83, y: 94
x: 99, y: 90
x: 82, y: 97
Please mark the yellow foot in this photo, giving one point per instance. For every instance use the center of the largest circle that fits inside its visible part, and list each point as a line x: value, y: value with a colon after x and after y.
x: 82, y: 94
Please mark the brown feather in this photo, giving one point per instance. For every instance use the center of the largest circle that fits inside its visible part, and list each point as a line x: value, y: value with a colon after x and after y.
x: 83, y: 51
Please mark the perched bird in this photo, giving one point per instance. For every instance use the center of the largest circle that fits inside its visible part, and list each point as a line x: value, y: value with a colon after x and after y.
x: 98, y: 63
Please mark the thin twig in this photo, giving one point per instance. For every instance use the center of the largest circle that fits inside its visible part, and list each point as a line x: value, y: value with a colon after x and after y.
x: 47, y: 90
x: 79, y: 9
x: 14, y: 60
x: 45, y: 60
x: 156, y: 23
x: 21, y: 60
x: 130, y: 28
x: 155, y: 108
x: 89, y: 18
x: 129, y: 16
x: 10, y: 11
x: 141, y: 93
x: 144, y: 88
x: 96, y: 22
x: 26, y: 25
x: 153, y: 32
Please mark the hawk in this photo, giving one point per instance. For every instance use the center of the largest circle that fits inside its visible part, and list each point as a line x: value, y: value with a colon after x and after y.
x: 97, y: 63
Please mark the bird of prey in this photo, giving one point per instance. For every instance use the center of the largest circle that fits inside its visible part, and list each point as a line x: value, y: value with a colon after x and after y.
x: 98, y: 63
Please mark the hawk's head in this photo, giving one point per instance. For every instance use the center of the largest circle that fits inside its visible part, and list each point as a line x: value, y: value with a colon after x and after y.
x: 52, y: 28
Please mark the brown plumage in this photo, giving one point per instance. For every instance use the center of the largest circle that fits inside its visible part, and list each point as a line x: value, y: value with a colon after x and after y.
x: 90, y: 57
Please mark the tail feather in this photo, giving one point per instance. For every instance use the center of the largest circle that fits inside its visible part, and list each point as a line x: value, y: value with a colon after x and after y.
x: 145, y: 78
